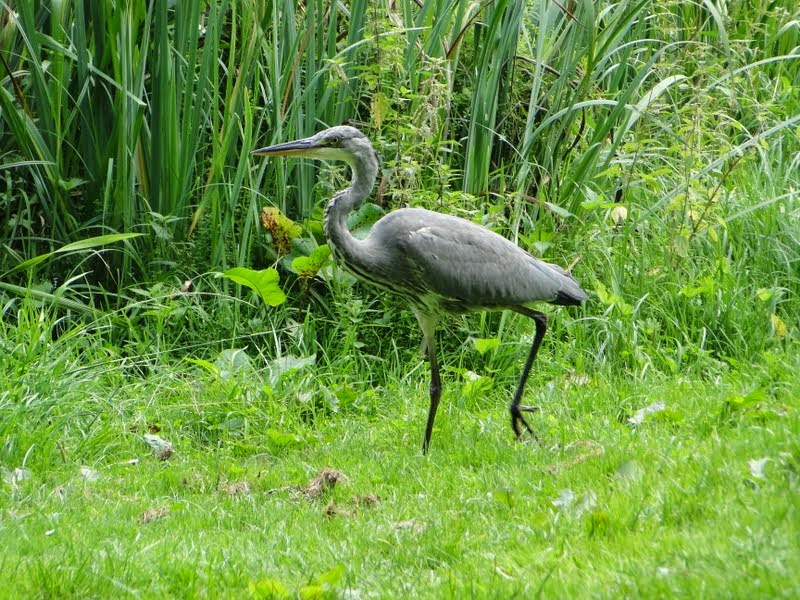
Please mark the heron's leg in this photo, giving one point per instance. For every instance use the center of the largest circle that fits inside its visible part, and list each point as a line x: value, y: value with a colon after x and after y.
x: 436, y: 394
x: 540, y: 319
x: 428, y: 326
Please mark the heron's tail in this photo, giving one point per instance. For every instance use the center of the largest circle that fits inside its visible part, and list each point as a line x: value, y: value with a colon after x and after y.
x: 571, y: 292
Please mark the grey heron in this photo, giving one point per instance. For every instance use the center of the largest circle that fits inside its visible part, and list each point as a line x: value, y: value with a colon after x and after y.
x: 439, y: 264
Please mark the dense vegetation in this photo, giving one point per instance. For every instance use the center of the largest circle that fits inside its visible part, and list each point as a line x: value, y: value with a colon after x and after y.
x: 653, y: 146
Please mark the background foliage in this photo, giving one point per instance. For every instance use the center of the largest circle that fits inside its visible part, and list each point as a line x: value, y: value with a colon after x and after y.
x: 654, y: 146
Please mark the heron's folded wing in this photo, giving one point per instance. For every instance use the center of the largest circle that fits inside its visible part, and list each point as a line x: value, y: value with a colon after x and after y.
x: 467, y: 262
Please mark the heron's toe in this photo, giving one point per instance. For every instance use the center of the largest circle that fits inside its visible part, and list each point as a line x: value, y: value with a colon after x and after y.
x: 517, y: 420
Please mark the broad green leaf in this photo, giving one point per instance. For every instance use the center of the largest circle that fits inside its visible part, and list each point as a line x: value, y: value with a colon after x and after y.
x: 233, y: 357
x: 504, y: 495
x: 268, y: 589
x: 483, y: 345
x: 282, y: 229
x: 332, y: 577
x: 232, y: 362
x: 312, y: 592
x: 778, y: 326
x: 605, y: 296
x: 308, y: 266
x: 560, y: 211
x: 706, y: 285
x: 360, y: 222
x: 678, y: 202
x: 280, y: 440
x: 264, y: 283
x: 286, y: 364
x: 608, y: 298
x: 754, y: 397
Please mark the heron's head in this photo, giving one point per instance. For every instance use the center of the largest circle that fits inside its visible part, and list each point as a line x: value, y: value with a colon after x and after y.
x: 337, y: 143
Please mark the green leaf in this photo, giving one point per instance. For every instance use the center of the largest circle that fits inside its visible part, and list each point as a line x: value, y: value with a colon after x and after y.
x: 608, y: 298
x: 208, y: 366
x: 307, y: 267
x: 360, y: 222
x: 603, y: 293
x: 322, y: 585
x: 87, y: 244
x: 234, y: 358
x: 504, y: 495
x: 282, y: 229
x: 483, y: 345
x: 332, y: 577
x: 288, y: 364
x: 312, y: 592
x: 737, y: 404
x: 232, y: 362
x: 477, y: 385
x: 560, y: 211
x: 264, y: 282
x: 756, y: 396
x: 765, y: 294
x: 778, y: 326
x: 268, y: 589
x: 279, y: 440
x: 706, y: 286
x: 70, y: 184
x: 95, y: 242
x: 31, y: 262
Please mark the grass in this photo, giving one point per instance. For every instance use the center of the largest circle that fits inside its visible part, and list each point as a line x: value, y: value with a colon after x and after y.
x: 600, y: 507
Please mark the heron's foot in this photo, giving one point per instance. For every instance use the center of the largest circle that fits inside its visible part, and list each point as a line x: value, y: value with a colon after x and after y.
x: 517, y: 420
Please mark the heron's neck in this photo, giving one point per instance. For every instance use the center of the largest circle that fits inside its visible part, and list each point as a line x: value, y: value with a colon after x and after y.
x: 342, y: 204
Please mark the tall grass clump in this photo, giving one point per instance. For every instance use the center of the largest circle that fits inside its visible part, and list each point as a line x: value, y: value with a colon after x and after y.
x: 703, y: 263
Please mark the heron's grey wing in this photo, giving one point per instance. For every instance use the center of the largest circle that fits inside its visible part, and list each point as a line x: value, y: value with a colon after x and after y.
x: 458, y: 259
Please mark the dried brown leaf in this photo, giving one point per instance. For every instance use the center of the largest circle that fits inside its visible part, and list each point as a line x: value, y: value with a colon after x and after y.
x: 153, y: 514
x: 162, y: 449
x: 415, y: 526
x: 235, y: 488
x: 326, y: 480
x: 334, y: 510
x: 367, y: 501
x: 593, y: 449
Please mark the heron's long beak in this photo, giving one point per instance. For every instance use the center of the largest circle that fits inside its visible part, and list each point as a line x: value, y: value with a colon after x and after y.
x: 297, y: 148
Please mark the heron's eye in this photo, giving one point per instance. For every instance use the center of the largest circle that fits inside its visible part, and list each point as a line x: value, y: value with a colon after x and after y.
x: 334, y: 140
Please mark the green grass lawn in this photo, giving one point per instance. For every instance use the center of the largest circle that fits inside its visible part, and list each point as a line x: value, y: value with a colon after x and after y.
x: 699, y: 499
